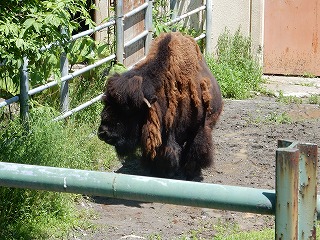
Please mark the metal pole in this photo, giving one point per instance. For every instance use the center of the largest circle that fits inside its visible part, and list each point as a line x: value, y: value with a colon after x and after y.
x: 24, y: 88
x: 119, y: 31
x: 209, y: 30
x: 138, y: 188
x: 307, y: 206
x: 296, y: 188
x: 148, y: 26
x: 287, y: 161
x: 64, y: 89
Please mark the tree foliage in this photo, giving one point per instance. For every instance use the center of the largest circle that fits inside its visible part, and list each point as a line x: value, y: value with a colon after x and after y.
x: 29, y: 25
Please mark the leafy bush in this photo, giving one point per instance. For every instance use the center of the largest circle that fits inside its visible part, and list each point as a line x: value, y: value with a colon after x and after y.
x: 235, y: 67
x: 29, y: 214
x: 26, y: 27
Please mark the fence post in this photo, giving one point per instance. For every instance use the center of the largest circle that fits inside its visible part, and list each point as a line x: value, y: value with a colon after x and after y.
x: 209, y: 32
x: 286, y: 216
x: 148, y: 25
x: 119, y: 31
x: 64, y: 89
x: 307, y: 208
x: 24, y: 88
x: 296, y: 191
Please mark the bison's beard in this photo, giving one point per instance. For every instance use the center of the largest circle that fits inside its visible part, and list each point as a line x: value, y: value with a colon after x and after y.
x: 125, y: 148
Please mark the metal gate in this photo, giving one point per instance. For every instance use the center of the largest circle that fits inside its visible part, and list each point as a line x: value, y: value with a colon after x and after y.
x: 133, y: 22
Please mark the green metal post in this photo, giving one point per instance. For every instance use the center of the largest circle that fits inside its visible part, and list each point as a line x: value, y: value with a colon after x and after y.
x: 307, y: 206
x: 287, y: 180
x: 296, y: 189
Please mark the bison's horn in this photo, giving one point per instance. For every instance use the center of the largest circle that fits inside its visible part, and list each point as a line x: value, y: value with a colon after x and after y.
x: 147, y: 102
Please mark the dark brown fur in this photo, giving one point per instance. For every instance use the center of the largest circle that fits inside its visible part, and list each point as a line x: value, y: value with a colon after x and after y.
x: 175, y: 132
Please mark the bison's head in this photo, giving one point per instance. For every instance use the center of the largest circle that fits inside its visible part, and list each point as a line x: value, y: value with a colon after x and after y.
x: 124, y: 113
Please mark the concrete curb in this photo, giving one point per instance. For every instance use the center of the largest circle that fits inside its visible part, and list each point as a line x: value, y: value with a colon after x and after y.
x: 292, y: 86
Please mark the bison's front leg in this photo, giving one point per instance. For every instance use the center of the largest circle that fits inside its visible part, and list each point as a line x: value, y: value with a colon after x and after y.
x: 198, y: 153
x: 166, y: 162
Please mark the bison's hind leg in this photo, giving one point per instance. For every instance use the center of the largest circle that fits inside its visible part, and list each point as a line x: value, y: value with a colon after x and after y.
x: 198, y: 153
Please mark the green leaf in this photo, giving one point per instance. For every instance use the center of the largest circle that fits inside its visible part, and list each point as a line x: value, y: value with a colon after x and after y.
x: 51, y: 19
x: 29, y: 22
x: 37, y: 26
x: 7, y: 87
x: 19, y: 43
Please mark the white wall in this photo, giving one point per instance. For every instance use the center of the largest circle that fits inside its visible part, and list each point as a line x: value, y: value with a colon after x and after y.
x: 232, y: 14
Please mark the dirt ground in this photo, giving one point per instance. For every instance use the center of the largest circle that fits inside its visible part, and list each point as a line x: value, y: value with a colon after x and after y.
x: 246, y: 141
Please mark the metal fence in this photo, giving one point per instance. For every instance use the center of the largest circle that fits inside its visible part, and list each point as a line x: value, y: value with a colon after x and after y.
x: 294, y: 202
x: 121, y: 45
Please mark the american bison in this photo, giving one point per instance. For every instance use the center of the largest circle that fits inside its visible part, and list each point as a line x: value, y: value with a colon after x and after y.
x: 167, y: 106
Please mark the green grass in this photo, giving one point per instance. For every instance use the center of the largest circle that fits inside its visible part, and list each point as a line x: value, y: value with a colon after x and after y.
x: 288, y: 99
x: 235, y: 66
x: 314, y: 99
x: 30, y: 214
x: 227, y: 231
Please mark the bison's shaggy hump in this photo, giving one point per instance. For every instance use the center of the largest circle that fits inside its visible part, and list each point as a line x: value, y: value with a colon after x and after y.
x: 177, y: 58
x: 185, y: 102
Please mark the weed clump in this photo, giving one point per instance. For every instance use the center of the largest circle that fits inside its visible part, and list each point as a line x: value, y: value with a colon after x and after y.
x: 235, y: 66
x: 31, y: 214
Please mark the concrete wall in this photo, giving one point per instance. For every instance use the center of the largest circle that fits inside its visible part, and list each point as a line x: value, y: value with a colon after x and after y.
x: 248, y: 15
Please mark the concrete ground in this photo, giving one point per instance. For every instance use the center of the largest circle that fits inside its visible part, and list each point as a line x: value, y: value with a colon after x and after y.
x: 293, y: 86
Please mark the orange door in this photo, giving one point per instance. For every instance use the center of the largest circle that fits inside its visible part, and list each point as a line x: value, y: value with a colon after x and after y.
x: 292, y: 37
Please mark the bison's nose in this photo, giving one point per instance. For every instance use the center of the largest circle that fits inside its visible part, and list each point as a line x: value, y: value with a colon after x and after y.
x: 105, y: 135
x: 102, y: 132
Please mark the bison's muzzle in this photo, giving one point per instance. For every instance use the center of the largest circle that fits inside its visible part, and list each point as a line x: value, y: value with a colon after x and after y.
x: 107, y: 136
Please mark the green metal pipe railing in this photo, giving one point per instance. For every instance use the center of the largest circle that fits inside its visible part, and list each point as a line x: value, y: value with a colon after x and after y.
x: 138, y: 188
x: 295, y: 203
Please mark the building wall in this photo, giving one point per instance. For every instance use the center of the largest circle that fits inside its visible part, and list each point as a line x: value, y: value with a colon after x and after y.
x: 243, y: 14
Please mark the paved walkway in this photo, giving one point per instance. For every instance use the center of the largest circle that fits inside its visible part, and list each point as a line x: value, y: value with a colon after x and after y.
x: 293, y: 86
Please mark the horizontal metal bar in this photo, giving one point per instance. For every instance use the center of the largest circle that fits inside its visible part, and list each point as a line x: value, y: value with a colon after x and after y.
x: 71, y: 75
x: 133, y: 65
x: 201, y: 36
x: 138, y: 188
x: 76, y: 109
x: 9, y: 101
x: 136, y: 38
x: 90, y: 31
x: 179, y: 18
x: 87, y: 68
x: 136, y: 10
x: 42, y: 87
x: 81, y: 34
x: 53, y: 83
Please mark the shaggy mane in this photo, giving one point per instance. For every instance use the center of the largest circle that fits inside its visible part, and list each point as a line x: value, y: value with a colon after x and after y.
x: 177, y: 58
